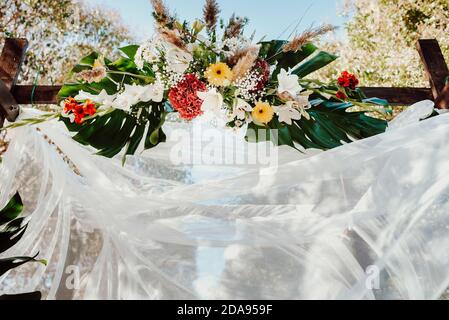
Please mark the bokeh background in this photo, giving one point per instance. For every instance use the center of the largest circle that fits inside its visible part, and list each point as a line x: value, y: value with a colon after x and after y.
x: 375, y: 38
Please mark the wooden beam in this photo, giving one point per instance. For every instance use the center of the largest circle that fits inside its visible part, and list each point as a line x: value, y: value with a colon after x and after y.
x: 434, y: 64
x: 442, y: 102
x: 14, y: 50
x: 10, y: 62
x: 399, y: 96
x: 41, y: 94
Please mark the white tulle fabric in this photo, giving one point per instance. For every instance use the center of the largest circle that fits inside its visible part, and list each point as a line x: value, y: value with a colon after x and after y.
x: 321, y: 225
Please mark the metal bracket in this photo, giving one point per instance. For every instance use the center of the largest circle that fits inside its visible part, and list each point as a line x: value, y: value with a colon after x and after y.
x: 8, y: 105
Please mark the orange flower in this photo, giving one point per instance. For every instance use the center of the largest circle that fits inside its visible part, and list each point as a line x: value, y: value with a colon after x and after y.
x: 79, y: 110
x: 69, y: 105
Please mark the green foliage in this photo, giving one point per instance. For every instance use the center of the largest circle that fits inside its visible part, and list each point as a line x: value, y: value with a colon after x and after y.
x: 12, y: 230
x: 272, y: 52
x: 72, y: 29
x: 330, y: 126
x: 381, y: 40
x: 115, y: 131
x: 317, y: 62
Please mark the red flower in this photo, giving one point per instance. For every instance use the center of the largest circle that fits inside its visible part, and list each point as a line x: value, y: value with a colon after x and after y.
x: 340, y: 95
x: 184, y: 99
x: 80, y: 110
x: 263, y: 68
x: 348, y: 80
x: 69, y: 105
x: 89, y: 108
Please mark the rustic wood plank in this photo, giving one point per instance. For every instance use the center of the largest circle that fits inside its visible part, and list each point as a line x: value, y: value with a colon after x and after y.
x: 11, y: 60
x: 42, y: 94
x: 442, y: 102
x: 434, y: 64
x: 399, y: 96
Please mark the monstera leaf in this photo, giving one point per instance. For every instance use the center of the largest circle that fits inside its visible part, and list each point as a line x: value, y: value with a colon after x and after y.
x: 12, y: 230
x: 330, y: 126
x: 118, y: 130
x: 273, y: 53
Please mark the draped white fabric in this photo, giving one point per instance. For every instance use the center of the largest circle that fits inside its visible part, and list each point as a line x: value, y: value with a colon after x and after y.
x: 368, y: 220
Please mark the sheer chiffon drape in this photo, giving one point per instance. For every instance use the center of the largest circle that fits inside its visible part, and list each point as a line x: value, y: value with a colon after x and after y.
x: 368, y: 220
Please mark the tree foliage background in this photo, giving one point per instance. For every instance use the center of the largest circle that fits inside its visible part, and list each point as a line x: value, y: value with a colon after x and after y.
x: 60, y: 32
x: 381, y: 40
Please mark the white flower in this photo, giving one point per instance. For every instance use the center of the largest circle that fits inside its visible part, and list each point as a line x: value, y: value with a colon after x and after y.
x: 148, y: 52
x: 126, y: 99
x: 238, y: 123
x: 134, y: 94
x: 70, y: 116
x: 231, y: 46
x: 191, y: 47
x: 302, y: 100
x: 212, y: 102
x: 326, y: 95
x: 288, y: 83
x: 287, y: 112
x: 154, y: 92
x: 103, y: 99
x: 240, y: 109
x: 178, y: 60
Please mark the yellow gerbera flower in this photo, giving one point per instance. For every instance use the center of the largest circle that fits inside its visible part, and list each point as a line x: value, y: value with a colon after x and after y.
x: 219, y: 74
x: 262, y: 113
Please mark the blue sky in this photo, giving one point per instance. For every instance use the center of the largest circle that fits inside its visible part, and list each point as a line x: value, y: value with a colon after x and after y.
x: 268, y: 17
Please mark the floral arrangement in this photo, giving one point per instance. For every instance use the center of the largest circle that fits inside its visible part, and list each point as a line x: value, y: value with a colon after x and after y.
x: 209, y: 69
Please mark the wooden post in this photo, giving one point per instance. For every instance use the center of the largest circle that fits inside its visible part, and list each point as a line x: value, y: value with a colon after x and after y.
x: 10, y: 62
x: 442, y: 102
x: 434, y: 64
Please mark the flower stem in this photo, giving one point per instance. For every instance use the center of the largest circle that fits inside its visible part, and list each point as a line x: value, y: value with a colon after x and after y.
x: 100, y: 114
x: 367, y: 107
x: 137, y: 76
x: 32, y: 121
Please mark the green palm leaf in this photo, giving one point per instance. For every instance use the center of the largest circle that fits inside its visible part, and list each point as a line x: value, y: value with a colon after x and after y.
x: 118, y: 130
x: 330, y: 126
x: 272, y: 52
x: 12, y: 210
x: 13, y: 228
